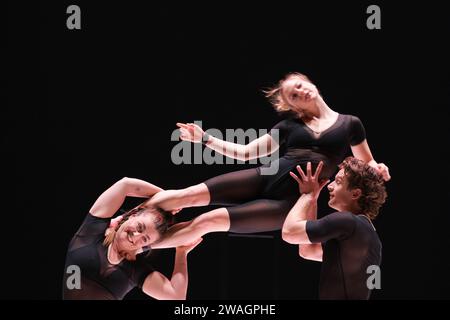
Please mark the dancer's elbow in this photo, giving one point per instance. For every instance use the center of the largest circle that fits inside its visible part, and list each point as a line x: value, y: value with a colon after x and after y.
x: 290, y: 236
x: 311, y: 252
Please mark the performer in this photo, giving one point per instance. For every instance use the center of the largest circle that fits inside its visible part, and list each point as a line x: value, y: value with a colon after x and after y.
x: 349, y: 239
x: 106, y: 251
x: 257, y: 202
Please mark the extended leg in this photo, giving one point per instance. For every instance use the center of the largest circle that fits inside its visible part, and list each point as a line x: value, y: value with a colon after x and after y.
x: 252, y: 217
x: 260, y: 215
x: 227, y: 189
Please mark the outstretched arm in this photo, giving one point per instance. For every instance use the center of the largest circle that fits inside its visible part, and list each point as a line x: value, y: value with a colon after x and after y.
x: 111, y: 200
x: 261, y: 147
x: 159, y: 287
x: 362, y: 152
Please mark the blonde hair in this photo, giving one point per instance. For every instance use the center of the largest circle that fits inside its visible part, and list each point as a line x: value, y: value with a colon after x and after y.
x: 275, y: 94
x: 162, y: 221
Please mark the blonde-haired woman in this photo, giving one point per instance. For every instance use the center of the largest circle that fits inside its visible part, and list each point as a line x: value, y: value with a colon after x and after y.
x: 106, y: 252
x: 257, y: 202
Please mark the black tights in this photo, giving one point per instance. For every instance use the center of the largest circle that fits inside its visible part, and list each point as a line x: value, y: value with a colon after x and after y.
x: 251, y: 207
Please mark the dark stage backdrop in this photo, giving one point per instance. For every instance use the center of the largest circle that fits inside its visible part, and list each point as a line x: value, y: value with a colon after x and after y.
x: 88, y: 107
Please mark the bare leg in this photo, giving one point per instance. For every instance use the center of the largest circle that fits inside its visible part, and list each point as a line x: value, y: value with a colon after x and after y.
x: 217, y: 220
x: 194, y: 196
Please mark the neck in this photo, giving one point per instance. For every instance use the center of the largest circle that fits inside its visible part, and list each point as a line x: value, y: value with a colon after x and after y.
x: 319, y: 109
x: 323, y: 110
x: 351, y: 207
x: 354, y: 208
x: 113, y: 253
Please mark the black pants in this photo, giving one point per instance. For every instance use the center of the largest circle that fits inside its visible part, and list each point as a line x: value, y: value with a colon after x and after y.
x: 256, y: 203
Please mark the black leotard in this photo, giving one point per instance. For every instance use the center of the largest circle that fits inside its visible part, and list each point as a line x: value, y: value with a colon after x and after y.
x: 301, y: 145
x: 261, y: 202
x: 100, y: 280
x: 350, y: 245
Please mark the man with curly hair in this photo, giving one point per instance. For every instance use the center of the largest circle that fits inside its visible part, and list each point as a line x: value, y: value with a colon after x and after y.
x: 346, y: 241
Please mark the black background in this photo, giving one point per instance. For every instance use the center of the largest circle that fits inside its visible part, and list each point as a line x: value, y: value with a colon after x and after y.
x: 88, y: 107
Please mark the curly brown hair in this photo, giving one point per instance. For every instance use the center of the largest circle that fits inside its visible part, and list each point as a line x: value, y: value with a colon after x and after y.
x: 275, y: 94
x: 362, y: 176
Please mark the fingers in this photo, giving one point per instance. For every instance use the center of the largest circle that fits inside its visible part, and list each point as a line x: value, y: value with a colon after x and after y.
x: 318, y: 170
x: 191, y: 126
x: 185, y: 134
x: 386, y: 173
x: 182, y: 125
x: 295, y: 177
x: 301, y: 173
x: 308, y: 170
x: 384, y: 170
x: 186, y: 126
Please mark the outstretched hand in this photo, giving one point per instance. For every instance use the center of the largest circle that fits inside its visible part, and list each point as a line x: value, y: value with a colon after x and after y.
x: 190, y: 132
x: 309, y: 183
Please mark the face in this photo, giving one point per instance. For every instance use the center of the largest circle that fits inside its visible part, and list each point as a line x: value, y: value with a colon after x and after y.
x: 341, y: 198
x: 137, y: 232
x: 299, y: 93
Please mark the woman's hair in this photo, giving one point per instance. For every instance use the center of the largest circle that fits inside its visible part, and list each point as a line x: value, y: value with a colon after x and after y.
x: 275, y: 94
x: 162, y: 220
x: 362, y: 176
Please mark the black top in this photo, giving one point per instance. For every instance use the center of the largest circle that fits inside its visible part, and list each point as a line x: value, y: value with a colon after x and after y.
x: 99, y: 278
x: 299, y: 144
x: 350, y: 245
